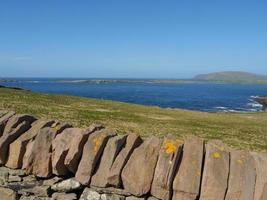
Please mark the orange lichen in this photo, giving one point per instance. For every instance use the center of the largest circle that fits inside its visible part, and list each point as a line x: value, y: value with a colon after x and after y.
x: 169, y: 147
x: 97, y: 142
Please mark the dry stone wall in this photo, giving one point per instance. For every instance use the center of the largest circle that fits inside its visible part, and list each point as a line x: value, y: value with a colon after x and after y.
x: 47, y: 159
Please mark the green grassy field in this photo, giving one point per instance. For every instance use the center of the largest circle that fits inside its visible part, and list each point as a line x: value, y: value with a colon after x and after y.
x: 242, y: 131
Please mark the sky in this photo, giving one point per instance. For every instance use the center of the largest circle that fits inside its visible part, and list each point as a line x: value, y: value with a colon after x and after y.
x: 131, y: 38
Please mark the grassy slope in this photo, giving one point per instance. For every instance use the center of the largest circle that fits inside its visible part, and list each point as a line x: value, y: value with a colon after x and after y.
x: 243, y: 131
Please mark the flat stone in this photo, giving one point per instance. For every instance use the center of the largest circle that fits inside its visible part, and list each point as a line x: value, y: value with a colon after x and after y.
x: 12, y: 178
x: 67, y: 149
x: 16, y: 126
x: 167, y: 165
x: 64, y: 196
x: 152, y: 198
x: 111, y: 197
x: 76, y: 147
x: 39, y: 162
x: 29, y: 178
x: 7, y: 194
x: 261, y: 181
x: 138, y: 173
x: 111, y: 190
x: 68, y: 185
x: 89, y: 194
x: 52, y: 181
x: 92, y: 152
x: 114, y: 175
x: 40, y: 191
x: 186, y: 184
x: 216, y: 171
x: 17, y: 148
x: 3, y: 120
x: 135, y: 198
x: 113, y: 147
x: 242, y: 176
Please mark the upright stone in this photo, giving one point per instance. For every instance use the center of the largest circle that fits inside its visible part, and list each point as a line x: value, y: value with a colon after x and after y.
x: 114, y: 175
x: 261, y: 180
x: 216, y: 171
x: 17, y: 148
x: 113, y: 147
x: 242, y: 176
x: 3, y: 120
x: 76, y: 148
x: 138, y: 173
x: 186, y: 183
x: 167, y: 165
x: 92, y: 152
x: 40, y: 158
x: 69, y: 144
x: 16, y: 126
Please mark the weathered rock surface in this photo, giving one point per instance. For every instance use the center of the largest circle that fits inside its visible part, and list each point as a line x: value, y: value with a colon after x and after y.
x: 261, y: 180
x: 167, y: 165
x: 16, y: 126
x: 113, y: 147
x: 67, y: 149
x: 27, y: 154
x: 7, y: 194
x: 111, y: 197
x: 186, y: 183
x: 216, y: 171
x: 3, y: 120
x: 64, y: 196
x: 92, y: 152
x: 40, y: 157
x: 135, y: 198
x: 17, y: 149
x: 89, y: 194
x: 137, y: 174
x: 68, y: 185
x: 242, y: 176
x: 114, y: 175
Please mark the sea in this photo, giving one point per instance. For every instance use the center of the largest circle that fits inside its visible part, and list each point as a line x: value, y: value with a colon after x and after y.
x: 207, y: 97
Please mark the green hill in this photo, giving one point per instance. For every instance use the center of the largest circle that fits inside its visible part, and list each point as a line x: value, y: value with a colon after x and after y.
x: 232, y: 77
x: 241, y: 130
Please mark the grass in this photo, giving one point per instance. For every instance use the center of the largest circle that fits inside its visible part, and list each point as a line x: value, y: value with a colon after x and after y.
x: 239, y: 130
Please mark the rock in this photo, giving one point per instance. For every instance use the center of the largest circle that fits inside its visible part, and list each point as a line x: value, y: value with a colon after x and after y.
x: 261, y: 171
x: 137, y: 174
x: 39, y: 162
x: 27, y: 154
x: 16, y: 126
x: 17, y: 149
x: 111, y: 197
x: 76, y: 148
x: 13, y: 178
x: 152, y: 198
x: 52, y: 181
x: 39, y: 191
x: 242, y: 176
x: 114, y: 175
x: 64, y: 196
x: 167, y: 165
x: 34, y: 198
x: 3, y: 120
x: 68, y: 185
x: 67, y: 149
x: 186, y: 183
x: 111, y: 190
x: 216, y: 171
x: 135, y: 198
x: 89, y: 194
x: 30, y: 178
x: 92, y: 152
x: 113, y: 147
x: 7, y: 194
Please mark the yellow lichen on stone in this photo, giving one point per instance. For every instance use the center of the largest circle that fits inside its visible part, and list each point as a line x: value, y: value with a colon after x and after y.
x: 216, y: 155
x: 222, y: 148
x: 97, y: 142
x: 169, y: 147
x: 239, y: 161
x: 198, y: 173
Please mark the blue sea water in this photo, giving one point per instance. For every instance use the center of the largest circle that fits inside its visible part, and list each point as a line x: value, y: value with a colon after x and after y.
x: 201, y: 97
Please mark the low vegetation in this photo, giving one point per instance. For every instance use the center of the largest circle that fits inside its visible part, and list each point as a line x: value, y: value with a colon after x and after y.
x: 242, y: 131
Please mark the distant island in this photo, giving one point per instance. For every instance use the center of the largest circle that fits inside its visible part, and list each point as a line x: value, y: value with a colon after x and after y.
x: 231, y: 77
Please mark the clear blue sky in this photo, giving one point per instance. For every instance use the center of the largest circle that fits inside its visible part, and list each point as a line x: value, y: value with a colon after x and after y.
x: 131, y: 38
